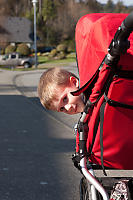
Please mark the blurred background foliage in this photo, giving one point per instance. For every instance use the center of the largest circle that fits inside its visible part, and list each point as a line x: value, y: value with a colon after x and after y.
x: 56, y: 19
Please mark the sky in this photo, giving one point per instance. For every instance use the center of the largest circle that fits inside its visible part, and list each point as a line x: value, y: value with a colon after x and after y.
x: 125, y: 2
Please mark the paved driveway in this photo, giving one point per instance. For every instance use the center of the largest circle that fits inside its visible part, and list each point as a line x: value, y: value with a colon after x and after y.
x: 35, y: 145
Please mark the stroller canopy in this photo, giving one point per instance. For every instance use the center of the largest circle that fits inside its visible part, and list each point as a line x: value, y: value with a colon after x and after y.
x: 93, y: 35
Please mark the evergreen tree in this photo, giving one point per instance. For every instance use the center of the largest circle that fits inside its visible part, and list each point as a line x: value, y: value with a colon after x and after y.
x: 120, y: 8
x: 109, y: 7
x: 48, y: 10
x: 15, y: 8
x: 94, y: 6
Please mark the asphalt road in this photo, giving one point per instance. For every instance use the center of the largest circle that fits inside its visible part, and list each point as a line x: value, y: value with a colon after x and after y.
x: 35, y: 145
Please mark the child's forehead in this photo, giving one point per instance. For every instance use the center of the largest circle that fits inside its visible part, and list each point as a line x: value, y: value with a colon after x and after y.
x: 58, y: 94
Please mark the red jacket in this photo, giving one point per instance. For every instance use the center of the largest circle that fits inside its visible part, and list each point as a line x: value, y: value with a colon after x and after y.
x: 94, y: 33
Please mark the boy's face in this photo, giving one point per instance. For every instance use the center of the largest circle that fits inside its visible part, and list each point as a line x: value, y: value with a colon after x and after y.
x: 66, y: 102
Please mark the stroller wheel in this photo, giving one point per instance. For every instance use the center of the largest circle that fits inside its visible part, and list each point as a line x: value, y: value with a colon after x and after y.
x: 85, y: 190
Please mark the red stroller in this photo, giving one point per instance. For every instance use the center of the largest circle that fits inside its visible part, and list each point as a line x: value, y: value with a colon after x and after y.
x: 104, y: 46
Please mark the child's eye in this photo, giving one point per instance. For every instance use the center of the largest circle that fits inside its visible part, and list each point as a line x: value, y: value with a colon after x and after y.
x: 65, y: 99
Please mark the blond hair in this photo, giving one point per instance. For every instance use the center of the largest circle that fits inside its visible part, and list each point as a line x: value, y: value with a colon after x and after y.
x: 49, y: 82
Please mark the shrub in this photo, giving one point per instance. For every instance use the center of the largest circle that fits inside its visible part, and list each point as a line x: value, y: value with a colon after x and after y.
x: 2, y: 51
x: 45, y: 54
x: 10, y: 49
x: 23, y: 49
x: 39, y: 54
x: 71, y: 47
x: 70, y: 44
x: 61, y: 47
x: 61, y: 55
x: 53, y: 53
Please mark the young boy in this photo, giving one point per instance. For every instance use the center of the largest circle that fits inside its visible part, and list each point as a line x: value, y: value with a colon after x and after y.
x: 54, y: 90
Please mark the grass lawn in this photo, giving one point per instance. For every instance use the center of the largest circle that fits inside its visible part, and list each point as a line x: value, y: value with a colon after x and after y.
x: 44, y: 60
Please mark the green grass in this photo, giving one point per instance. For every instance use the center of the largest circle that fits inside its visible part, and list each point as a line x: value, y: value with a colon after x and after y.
x: 44, y: 59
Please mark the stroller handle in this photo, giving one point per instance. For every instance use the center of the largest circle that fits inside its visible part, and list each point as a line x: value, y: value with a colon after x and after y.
x: 126, y: 28
x: 120, y: 43
x: 128, y: 22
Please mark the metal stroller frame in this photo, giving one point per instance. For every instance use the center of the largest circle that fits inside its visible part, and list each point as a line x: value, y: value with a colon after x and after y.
x: 112, y: 57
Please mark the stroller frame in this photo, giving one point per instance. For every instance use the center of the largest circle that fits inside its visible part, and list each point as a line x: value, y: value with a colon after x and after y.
x: 122, y: 34
x: 89, y: 174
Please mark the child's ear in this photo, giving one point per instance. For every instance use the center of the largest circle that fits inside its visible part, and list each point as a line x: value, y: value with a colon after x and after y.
x: 74, y: 81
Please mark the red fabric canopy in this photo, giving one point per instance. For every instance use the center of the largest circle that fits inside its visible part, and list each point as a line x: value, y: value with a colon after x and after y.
x: 93, y: 35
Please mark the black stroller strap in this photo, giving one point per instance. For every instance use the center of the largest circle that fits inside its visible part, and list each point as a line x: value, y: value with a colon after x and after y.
x: 101, y: 134
x: 116, y: 103
x: 94, y: 135
x: 124, y: 74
